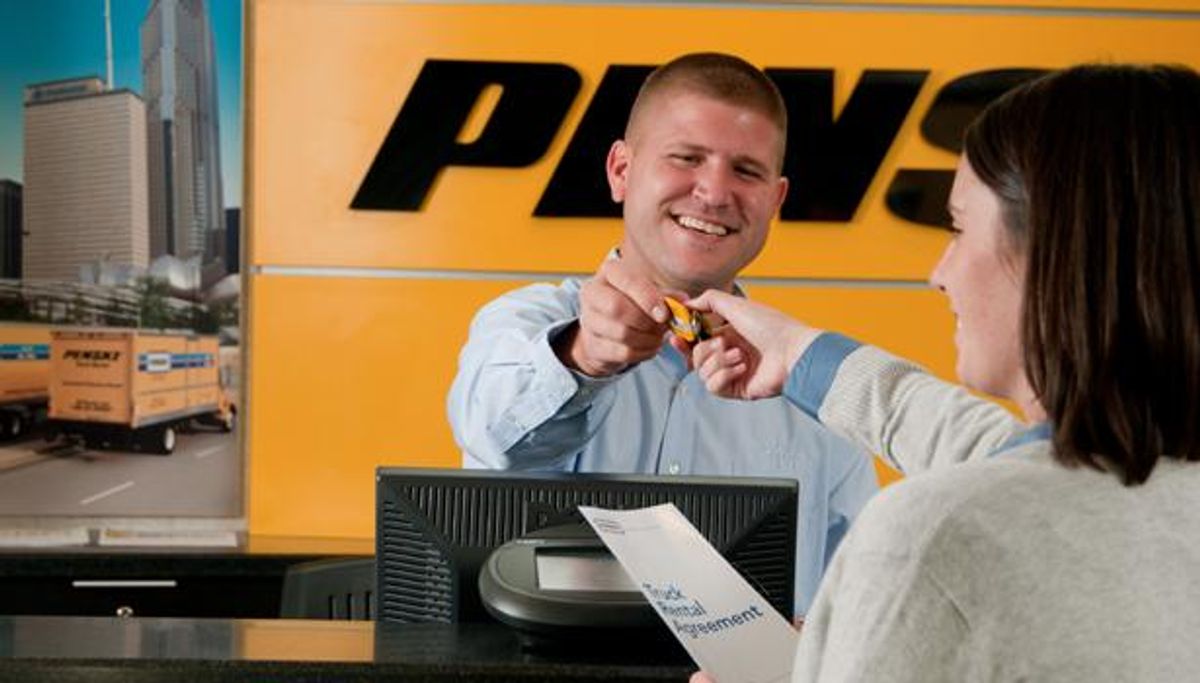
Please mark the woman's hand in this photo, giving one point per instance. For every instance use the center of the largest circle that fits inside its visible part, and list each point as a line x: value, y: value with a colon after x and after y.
x: 751, y: 355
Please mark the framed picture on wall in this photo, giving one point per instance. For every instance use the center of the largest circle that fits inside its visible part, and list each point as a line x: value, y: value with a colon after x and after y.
x: 120, y: 275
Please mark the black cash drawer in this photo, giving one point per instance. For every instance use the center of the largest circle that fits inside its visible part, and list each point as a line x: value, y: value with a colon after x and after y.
x: 149, y: 596
x: 187, y: 583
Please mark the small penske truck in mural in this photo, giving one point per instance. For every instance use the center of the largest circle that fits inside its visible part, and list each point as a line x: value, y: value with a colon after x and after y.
x: 111, y: 387
x: 24, y: 376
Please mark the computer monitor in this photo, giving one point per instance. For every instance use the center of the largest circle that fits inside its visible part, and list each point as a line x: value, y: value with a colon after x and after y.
x: 434, y: 528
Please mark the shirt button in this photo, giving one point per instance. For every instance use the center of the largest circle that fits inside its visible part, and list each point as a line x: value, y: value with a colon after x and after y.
x: 673, y: 468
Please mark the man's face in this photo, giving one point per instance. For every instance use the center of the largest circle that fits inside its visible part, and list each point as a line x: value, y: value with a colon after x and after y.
x: 700, y: 182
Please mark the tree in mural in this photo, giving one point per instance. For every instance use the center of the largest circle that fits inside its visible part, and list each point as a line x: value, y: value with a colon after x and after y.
x: 215, y: 315
x: 15, y: 308
x: 153, y: 309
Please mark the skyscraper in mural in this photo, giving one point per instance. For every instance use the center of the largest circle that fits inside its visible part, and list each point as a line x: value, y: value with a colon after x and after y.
x: 85, y: 178
x: 179, y: 83
x: 11, y: 228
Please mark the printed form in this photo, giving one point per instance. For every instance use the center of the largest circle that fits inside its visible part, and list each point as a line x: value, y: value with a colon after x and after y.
x: 731, y: 631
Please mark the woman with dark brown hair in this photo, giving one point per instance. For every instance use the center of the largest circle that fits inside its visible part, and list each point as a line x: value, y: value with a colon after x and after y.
x: 1065, y: 547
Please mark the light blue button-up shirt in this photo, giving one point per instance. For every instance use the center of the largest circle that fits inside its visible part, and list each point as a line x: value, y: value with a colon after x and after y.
x: 514, y: 405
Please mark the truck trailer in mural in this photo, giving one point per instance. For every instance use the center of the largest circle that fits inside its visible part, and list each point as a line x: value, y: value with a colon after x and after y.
x: 118, y: 388
x: 24, y: 376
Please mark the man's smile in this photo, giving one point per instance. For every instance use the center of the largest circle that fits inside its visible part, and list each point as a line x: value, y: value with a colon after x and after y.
x: 701, y: 225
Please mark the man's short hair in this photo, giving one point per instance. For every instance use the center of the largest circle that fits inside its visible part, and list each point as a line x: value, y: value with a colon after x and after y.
x: 722, y: 77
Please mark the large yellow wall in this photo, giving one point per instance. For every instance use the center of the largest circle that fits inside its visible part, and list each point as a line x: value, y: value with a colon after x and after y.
x: 354, y: 318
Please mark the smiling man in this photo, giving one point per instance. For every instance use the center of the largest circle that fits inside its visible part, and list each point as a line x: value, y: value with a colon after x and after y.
x: 577, y: 376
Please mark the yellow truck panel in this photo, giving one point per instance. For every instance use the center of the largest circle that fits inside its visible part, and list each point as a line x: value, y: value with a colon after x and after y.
x: 90, y: 376
x: 209, y: 396
x: 159, y: 363
x: 229, y: 372
x: 203, y: 373
x: 24, y: 362
x: 132, y: 378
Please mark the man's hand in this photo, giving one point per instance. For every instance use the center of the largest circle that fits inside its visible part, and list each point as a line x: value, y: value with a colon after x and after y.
x: 622, y: 320
x: 751, y: 356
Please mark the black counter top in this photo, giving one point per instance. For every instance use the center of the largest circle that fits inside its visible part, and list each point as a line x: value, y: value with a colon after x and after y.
x: 81, y: 565
x: 257, y: 556
x: 63, y: 649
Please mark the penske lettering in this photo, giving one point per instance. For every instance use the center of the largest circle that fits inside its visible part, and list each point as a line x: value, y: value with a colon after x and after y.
x: 831, y: 159
x: 91, y: 355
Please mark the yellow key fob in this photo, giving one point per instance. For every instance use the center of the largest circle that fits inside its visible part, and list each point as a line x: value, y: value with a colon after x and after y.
x: 687, y: 324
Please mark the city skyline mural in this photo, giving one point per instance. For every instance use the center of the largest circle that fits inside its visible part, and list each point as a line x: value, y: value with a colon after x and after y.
x: 120, y: 287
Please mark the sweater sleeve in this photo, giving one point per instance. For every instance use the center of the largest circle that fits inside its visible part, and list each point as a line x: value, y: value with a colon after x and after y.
x: 895, y: 408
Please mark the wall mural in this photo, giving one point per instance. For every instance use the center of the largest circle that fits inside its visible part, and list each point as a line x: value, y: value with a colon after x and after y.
x: 120, y: 284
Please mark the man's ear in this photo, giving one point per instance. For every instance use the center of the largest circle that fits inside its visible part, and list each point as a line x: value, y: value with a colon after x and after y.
x: 783, y: 188
x: 617, y: 169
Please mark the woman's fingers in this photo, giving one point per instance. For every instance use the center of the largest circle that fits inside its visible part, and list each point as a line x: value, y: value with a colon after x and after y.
x: 721, y: 368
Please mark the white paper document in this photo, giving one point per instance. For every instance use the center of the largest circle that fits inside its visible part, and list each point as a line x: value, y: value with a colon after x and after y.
x: 730, y: 630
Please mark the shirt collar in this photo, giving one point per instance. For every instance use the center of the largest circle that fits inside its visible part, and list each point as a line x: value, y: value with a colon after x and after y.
x: 1041, y: 431
x: 615, y: 253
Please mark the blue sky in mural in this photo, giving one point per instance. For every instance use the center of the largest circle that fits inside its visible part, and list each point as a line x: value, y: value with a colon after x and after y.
x: 50, y: 40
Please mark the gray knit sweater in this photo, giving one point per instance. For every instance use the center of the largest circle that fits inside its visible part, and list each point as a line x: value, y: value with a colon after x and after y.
x: 1007, y: 568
